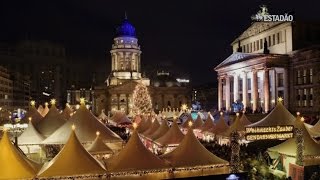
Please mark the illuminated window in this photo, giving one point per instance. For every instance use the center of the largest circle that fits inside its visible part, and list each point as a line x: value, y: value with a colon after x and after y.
x: 299, y: 80
x: 311, y: 97
x: 311, y: 76
x: 304, y: 76
x: 304, y: 98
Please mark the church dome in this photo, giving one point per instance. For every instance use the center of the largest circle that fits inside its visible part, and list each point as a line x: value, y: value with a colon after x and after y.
x: 126, y: 29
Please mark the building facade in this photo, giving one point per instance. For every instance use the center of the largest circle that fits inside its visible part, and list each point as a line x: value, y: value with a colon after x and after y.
x: 267, y: 63
x: 126, y: 73
x: 6, y: 89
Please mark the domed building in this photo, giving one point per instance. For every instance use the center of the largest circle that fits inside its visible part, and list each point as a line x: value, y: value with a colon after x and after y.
x: 165, y: 90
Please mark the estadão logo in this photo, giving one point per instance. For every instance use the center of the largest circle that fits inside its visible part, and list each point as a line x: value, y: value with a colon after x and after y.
x: 264, y: 16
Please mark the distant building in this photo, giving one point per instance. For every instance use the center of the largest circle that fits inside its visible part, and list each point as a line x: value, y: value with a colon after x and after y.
x: 43, y: 62
x: 165, y: 91
x: 206, y: 95
x: 271, y: 60
x: 6, y: 89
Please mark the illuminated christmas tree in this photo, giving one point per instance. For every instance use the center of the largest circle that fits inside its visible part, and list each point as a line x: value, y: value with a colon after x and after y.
x: 141, y: 100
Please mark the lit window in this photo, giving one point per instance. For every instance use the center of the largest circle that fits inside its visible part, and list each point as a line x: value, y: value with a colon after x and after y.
x: 311, y: 97
x: 311, y: 76
x: 304, y: 97
x: 299, y: 80
x: 304, y: 76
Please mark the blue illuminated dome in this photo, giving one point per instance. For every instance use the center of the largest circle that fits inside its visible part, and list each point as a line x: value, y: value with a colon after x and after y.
x: 126, y: 29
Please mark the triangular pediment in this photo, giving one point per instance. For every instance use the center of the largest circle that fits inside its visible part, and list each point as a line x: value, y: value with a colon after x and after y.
x: 238, y: 57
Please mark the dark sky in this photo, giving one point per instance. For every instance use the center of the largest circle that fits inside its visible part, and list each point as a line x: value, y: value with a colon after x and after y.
x: 191, y: 35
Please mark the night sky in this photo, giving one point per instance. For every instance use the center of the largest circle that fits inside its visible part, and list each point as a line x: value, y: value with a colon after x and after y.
x: 192, y: 36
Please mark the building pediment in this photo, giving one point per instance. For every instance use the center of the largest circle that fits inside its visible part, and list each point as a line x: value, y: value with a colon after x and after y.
x: 256, y: 28
x: 238, y: 57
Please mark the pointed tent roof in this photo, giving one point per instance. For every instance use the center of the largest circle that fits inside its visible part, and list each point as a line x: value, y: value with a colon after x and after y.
x: 289, y: 147
x: 198, y: 123
x: 208, y: 124
x: 160, y: 131
x: 185, y: 124
x: 33, y: 113
x: 66, y: 113
x: 155, y: 125
x: 278, y: 116
x: 30, y: 136
x: 221, y: 125
x: 134, y: 156
x: 14, y: 165
x: 45, y: 110
x: 172, y: 137
x: 121, y: 118
x: 236, y: 126
x: 40, y: 109
x: 87, y: 125
x: 144, y: 125
x: 99, y: 147
x: 51, y: 122
x: 244, y: 120
x: 73, y: 159
x: 192, y: 153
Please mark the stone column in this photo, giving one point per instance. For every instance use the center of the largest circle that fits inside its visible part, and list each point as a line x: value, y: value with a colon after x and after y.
x: 227, y: 93
x: 220, y: 93
x: 254, y: 89
x: 266, y: 88
x: 286, y: 87
x: 235, y: 87
x: 244, y: 90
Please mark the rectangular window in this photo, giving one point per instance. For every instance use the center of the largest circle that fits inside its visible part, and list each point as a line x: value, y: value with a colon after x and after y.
x: 299, y: 80
x: 278, y: 37
x: 311, y: 97
x: 299, y: 93
x: 304, y: 76
x: 250, y: 48
x: 244, y: 48
x: 247, y: 47
x: 280, y: 79
x: 304, y: 98
x: 311, y: 76
x: 240, y: 85
x: 257, y: 43
x: 273, y: 39
x: 261, y: 44
x: 269, y: 41
x: 254, y: 46
x: 249, y: 83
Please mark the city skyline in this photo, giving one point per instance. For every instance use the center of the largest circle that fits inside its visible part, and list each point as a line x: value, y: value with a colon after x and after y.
x: 193, y: 37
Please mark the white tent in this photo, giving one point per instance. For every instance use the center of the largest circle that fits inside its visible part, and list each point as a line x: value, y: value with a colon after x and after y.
x: 87, y: 125
x: 72, y: 160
